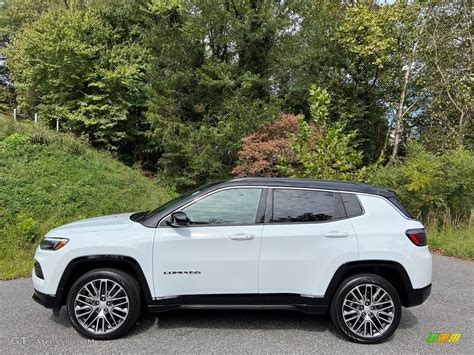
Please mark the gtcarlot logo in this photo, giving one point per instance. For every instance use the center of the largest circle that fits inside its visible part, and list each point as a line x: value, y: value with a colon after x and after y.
x: 443, y: 338
x: 28, y: 341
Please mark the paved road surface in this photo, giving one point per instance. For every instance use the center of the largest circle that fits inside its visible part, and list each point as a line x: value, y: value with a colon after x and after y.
x: 27, y: 327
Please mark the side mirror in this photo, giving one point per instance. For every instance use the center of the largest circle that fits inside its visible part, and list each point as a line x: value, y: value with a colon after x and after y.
x: 178, y: 219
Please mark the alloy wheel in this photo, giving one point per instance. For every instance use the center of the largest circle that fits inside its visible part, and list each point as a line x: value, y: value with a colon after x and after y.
x: 101, y: 306
x: 368, y: 310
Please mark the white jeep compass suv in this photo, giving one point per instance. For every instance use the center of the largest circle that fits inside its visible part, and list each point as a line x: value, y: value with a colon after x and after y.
x: 316, y: 246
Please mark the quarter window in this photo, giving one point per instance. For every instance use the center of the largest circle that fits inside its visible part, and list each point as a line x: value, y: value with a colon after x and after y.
x: 226, y: 207
x: 352, y: 205
x: 293, y: 206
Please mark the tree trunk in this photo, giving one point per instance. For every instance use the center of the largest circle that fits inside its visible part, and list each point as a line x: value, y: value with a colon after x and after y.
x: 399, y: 117
x: 400, y: 111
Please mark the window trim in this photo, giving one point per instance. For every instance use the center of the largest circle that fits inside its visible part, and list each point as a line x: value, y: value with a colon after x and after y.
x: 260, y: 208
x: 270, y: 205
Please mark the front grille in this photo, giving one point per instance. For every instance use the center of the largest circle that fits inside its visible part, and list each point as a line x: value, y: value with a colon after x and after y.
x: 38, y: 270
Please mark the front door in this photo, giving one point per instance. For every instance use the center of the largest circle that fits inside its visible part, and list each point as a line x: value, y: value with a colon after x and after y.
x: 217, y: 252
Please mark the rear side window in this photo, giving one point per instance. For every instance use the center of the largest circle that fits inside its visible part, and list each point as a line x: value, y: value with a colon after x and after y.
x: 297, y: 206
x: 352, y: 205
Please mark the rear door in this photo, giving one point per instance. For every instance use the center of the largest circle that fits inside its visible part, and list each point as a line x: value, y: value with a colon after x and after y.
x: 306, y: 237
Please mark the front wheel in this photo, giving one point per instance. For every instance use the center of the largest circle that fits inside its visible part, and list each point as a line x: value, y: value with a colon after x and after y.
x: 104, y: 303
x: 366, y: 309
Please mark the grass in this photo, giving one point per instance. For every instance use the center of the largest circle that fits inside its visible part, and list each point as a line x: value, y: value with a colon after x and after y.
x: 452, y: 242
x: 48, y: 179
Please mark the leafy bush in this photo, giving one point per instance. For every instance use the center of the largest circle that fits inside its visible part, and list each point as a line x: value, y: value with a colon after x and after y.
x: 263, y: 150
x: 293, y: 147
x: 322, y: 152
x: 24, y: 230
x: 432, y: 186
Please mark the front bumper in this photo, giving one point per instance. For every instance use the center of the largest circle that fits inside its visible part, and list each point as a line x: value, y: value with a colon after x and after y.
x: 417, y: 296
x: 47, y: 301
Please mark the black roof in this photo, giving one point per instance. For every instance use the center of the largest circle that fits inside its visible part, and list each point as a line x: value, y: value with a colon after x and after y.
x: 309, y: 183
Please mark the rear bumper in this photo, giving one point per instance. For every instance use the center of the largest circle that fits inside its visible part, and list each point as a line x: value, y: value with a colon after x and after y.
x: 47, y: 301
x: 417, y: 296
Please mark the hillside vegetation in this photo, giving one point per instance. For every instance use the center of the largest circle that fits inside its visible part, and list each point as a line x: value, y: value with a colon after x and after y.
x: 48, y: 179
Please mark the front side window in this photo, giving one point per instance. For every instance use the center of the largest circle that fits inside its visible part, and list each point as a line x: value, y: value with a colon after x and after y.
x: 226, y: 207
x: 296, y: 206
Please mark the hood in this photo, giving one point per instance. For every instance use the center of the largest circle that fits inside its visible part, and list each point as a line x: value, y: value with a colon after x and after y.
x: 96, y: 224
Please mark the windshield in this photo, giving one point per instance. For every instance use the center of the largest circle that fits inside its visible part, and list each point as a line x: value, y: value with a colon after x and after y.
x: 170, y: 202
x: 174, y: 200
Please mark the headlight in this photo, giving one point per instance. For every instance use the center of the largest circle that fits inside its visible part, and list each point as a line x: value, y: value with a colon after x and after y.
x: 53, y: 243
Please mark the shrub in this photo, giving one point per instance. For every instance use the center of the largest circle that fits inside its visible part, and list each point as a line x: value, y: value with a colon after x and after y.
x: 293, y: 147
x: 24, y: 230
x: 322, y: 152
x: 432, y: 186
x: 263, y: 150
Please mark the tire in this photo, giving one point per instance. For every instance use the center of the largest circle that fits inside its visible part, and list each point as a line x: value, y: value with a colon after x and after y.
x: 381, y: 312
x: 104, y: 304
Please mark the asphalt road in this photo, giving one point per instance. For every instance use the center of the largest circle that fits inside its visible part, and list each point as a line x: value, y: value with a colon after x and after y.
x: 26, y: 327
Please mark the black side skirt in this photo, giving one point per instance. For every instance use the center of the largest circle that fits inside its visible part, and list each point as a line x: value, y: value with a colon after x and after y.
x: 305, y: 304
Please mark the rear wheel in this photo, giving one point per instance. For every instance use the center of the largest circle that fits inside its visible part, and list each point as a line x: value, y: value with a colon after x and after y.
x: 104, y: 303
x: 366, y: 308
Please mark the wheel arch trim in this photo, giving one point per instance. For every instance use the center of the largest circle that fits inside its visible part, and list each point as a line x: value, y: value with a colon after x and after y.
x: 65, y: 282
x: 348, y: 268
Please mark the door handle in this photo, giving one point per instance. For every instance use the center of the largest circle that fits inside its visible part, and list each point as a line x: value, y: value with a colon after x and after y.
x: 336, y: 234
x: 242, y: 237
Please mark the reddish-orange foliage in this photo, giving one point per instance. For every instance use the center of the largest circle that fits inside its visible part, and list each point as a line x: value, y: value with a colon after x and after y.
x: 263, y: 149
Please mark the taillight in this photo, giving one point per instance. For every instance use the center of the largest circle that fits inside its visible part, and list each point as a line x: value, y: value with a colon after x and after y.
x: 417, y: 236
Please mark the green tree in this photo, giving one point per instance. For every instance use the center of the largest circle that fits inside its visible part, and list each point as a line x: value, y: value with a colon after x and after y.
x: 345, y: 50
x: 210, y: 82
x: 445, y: 120
x: 73, y: 65
x: 370, y: 35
